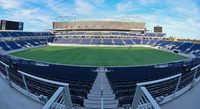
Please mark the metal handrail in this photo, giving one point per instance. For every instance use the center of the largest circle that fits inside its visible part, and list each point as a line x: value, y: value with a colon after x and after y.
x: 4, y: 64
x: 142, y: 89
x: 195, y: 67
x: 53, y: 98
x: 150, y: 98
x: 44, y: 80
x: 157, y: 81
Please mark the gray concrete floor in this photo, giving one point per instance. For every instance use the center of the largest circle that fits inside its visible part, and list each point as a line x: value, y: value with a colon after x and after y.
x: 189, y: 100
x: 12, y: 99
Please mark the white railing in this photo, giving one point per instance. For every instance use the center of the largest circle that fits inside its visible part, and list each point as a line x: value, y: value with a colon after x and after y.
x: 39, y: 89
x: 59, y: 100
x: 143, y: 99
x: 147, y: 93
x: 146, y: 100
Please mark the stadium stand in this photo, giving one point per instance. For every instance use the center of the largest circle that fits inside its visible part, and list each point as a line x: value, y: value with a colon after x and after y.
x: 121, y: 34
x: 123, y: 80
x: 18, y: 40
x: 81, y: 79
x: 182, y: 47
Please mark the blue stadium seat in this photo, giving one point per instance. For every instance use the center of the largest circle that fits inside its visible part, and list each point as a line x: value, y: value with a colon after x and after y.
x: 4, y: 46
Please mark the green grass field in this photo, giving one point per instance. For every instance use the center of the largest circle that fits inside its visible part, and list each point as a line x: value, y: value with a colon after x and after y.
x: 99, y: 56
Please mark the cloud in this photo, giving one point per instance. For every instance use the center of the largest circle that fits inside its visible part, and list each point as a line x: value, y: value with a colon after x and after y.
x: 148, y: 2
x: 189, y: 11
x: 97, y: 2
x: 9, y: 4
x: 177, y: 18
x: 59, y: 7
x: 173, y: 26
x: 126, y: 5
x: 21, y: 11
x: 83, y: 7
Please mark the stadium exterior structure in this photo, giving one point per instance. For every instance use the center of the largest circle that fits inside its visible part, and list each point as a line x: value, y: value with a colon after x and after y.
x: 65, y: 86
x: 135, y: 27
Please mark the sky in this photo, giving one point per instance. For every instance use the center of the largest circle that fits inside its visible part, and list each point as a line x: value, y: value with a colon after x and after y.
x: 179, y: 18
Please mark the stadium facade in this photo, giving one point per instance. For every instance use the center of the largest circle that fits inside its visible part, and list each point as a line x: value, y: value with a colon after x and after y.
x: 134, y: 27
x: 72, y: 86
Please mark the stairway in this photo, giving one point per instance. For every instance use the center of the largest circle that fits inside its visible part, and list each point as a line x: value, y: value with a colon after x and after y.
x: 101, y: 93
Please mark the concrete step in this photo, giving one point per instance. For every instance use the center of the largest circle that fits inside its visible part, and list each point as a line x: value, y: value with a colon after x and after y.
x: 103, y: 84
x: 104, y: 95
x: 86, y: 101
x: 99, y: 88
x: 98, y: 106
x: 99, y: 92
x: 98, y: 98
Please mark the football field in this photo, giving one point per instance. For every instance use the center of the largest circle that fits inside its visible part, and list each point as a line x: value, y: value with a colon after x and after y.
x: 99, y: 56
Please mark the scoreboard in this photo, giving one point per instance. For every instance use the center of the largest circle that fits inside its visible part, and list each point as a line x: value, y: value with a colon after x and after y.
x: 11, y: 25
x: 158, y: 29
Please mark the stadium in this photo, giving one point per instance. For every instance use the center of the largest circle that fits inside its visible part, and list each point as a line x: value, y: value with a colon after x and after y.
x: 99, y: 64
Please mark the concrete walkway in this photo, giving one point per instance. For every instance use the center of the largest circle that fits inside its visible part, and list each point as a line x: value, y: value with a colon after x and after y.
x: 189, y: 100
x: 12, y: 99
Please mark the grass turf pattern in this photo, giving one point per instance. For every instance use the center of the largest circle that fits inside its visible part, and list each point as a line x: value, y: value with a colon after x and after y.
x: 99, y: 56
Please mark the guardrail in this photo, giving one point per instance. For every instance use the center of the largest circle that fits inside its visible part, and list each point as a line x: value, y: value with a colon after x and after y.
x: 146, y: 100
x: 150, y: 94
x: 143, y: 99
x: 38, y: 89
x: 59, y: 100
